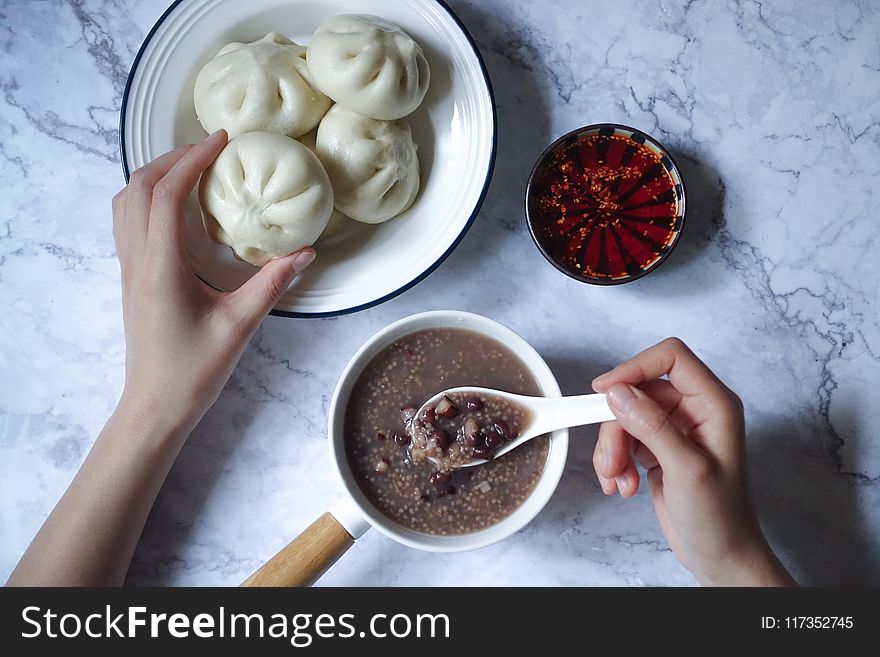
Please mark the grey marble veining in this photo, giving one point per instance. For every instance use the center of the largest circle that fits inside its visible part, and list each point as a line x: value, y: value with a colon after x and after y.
x: 771, y: 108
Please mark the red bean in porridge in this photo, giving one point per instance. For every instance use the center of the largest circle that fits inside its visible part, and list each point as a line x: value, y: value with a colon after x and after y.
x: 401, y: 482
x: 461, y: 428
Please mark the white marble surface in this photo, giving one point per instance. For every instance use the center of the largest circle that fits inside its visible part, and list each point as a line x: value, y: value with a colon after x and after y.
x: 772, y: 109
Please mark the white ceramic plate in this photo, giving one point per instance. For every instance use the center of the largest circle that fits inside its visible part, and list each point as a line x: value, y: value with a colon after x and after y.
x: 455, y: 129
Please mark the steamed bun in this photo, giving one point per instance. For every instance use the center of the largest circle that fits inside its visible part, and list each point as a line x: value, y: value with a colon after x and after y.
x: 373, y: 165
x: 265, y: 196
x: 337, y: 223
x: 260, y: 86
x: 369, y: 66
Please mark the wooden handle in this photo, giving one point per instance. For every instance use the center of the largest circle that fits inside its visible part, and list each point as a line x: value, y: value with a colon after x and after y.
x: 302, y: 561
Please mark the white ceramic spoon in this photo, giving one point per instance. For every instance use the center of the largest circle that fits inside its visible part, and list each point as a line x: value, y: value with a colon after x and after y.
x: 543, y: 415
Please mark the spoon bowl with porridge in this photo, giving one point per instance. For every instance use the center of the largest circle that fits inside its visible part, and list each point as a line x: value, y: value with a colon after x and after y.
x: 467, y: 426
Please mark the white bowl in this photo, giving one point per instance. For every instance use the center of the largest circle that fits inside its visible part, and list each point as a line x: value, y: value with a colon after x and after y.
x: 455, y: 129
x: 361, y: 504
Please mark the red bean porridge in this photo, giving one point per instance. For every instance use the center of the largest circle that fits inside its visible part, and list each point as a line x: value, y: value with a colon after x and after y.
x: 396, y: 477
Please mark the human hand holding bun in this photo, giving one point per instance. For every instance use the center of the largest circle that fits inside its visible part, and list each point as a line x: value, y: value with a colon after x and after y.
x: 183, y: 338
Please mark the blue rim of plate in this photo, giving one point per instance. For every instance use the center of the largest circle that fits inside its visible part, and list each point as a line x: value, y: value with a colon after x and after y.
x: 430, y: 270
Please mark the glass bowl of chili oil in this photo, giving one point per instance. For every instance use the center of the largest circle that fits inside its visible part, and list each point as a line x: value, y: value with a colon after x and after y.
x: 606, y: 204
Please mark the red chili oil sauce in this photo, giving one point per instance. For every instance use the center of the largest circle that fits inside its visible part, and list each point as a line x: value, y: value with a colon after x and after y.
x: 605, y: 206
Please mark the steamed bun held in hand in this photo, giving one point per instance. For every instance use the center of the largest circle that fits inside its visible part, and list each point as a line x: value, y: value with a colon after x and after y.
x: 369, y: 66
x: 265, y: 196
x: 373, y: 165
x: 260, y: 86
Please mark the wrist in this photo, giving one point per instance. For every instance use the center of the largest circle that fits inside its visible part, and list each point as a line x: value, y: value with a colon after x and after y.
x: 754, y: 565
x: 142, y: 419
